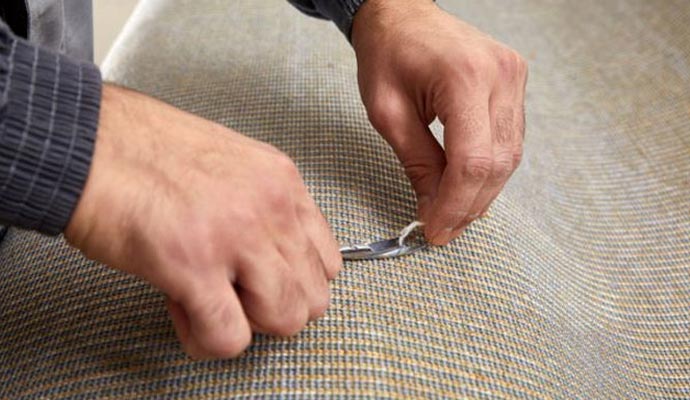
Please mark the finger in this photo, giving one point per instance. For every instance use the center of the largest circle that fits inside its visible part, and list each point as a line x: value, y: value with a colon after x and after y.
x: 469, y: 161
x: 509, y: 131
x: 319, y: 233
x: 398, y: 121
x: 296, y: 233
x: 504, y: 136
x: 272, y: 297
x: 311, y: 274
x: 306, y: 261
x: 217, y: 322
x: 183, y: 331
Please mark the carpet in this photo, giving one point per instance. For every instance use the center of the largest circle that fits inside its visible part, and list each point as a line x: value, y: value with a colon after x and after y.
x: 577, y: 285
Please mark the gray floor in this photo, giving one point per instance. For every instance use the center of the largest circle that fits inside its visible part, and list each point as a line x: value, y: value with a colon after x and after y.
x: 109, y: 17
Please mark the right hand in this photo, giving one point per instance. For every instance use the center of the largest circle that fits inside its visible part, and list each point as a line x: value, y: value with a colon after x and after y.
x: 221, y: 223
x: 416, y: 62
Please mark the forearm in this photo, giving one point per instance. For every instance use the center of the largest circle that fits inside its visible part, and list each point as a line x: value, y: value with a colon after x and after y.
x: 49, y: 107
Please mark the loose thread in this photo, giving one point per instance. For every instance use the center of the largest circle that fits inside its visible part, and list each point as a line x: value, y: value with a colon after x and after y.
x: 407, y: 230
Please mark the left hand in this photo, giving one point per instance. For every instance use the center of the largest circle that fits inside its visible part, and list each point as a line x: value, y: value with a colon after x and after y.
x: 417, y: 62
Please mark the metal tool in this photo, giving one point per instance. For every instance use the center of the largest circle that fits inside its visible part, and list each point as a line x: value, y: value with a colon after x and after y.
x: 394, y: 247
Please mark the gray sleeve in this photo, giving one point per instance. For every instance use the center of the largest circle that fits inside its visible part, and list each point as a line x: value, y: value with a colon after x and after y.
x: 49, y: 107
x: 339, y: 11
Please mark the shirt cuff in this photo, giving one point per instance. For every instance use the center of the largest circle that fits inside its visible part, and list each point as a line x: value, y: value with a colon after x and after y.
x: 341, y: 12
x: 49, y: 108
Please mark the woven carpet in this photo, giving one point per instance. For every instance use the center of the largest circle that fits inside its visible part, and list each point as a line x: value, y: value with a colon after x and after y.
x: 576, y: 286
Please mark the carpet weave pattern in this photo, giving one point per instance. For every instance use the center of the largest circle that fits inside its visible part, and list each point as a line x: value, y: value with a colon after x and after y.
x: 576, y: 286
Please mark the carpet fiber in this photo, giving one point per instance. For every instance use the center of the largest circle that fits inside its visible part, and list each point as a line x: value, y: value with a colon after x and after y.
x: 576, y: 286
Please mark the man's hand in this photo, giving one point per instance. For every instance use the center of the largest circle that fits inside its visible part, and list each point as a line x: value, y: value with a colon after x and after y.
x: 221, y: 223
x: 417, y: 62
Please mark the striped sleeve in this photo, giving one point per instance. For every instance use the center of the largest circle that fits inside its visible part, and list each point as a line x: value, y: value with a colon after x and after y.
x: 341, y: 12
x: 49, y: 107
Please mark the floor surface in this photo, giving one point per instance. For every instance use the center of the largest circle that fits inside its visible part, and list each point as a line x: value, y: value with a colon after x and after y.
x: 109, y: 18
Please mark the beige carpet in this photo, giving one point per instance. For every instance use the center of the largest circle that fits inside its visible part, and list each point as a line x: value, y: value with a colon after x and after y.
x: 577, y: 286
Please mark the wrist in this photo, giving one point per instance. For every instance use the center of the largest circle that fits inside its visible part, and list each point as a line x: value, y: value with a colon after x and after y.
x: 379, y: 17
x: 93, y: 208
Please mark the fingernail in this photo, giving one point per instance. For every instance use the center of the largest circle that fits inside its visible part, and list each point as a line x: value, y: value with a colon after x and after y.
x: 473, y: 216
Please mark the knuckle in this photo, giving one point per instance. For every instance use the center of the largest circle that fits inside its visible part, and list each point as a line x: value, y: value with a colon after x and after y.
x: 216, y: 313
x: 217, y: 327
x: 477, y: 167
x: 285, y: 164
x: 382, y: 114
x: 195, y: 301
x: 473, y: 68
x: 233, y: 345
x: 502, y: 169
x: 277, y: 199
x: 289, y: 324
x: 517, y: 158
x: 303, y: 205
x: 507, y: 62
x: 320, y: 303
x: 450, y: 215
x: 293, y: 173
x: 523, y: 67
x: 289, y: 314
x: 420, y: 170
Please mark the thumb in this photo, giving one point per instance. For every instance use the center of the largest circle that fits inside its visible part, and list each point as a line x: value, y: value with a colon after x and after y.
x: 423, y: 159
